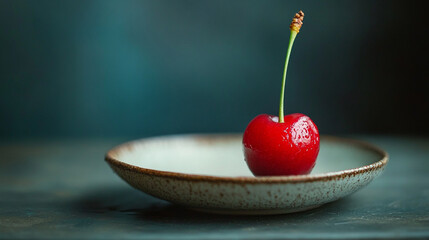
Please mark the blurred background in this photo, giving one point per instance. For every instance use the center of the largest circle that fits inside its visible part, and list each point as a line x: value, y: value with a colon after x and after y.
x: 143, y: 68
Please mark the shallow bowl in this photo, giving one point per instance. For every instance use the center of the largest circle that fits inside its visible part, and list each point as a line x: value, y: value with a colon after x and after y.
x: 208, y: 173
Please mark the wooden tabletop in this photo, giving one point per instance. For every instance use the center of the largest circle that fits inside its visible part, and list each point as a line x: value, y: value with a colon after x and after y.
x: 63, y: 189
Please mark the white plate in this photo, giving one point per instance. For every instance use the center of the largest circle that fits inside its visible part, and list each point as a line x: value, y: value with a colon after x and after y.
x: 208, y: 173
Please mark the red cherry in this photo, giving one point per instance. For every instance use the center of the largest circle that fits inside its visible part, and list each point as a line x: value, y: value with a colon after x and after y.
x: 284, y: 145
x: 289, y: 148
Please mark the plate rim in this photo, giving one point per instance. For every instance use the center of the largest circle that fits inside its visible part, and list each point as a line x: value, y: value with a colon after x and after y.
x: 328, y: 176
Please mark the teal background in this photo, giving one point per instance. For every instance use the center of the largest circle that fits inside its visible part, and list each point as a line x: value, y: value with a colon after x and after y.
x: 143, y: 68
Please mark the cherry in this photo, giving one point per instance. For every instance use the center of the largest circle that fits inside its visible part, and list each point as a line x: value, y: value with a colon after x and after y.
x: 283, y: 145
x: 288, y: 148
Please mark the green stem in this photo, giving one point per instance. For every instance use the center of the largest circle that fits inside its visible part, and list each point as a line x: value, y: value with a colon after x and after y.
x: 282, y: 94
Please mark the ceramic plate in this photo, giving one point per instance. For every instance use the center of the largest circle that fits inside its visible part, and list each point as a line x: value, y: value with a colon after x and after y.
x: 208, y: 173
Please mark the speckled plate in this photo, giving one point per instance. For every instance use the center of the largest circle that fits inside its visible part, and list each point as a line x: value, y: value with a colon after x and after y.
x: 208, y: 173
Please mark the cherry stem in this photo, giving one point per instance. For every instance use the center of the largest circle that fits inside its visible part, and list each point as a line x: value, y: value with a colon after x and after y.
x: 282, y: 94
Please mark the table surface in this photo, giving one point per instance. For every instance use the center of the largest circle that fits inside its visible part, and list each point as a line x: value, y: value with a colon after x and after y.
x: 64, y: 189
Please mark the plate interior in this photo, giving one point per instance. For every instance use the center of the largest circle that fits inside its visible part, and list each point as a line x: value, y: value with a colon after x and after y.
x: 223, y: 156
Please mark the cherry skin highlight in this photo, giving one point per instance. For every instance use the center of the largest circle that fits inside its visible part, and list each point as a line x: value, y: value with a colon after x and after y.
x: 277, y: 149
